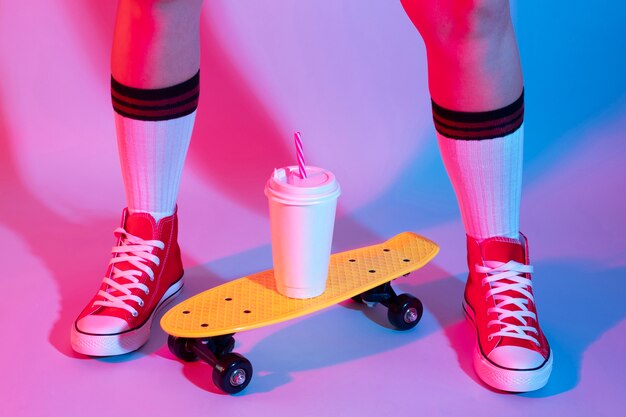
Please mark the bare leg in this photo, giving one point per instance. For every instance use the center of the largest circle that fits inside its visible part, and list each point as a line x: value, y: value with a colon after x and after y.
x: 156, y: 43
x: 473, y: 60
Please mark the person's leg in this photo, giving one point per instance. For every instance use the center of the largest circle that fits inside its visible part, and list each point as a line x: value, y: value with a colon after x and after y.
x: 473, y: 60
x: 154, y: 91
x: 154, y: 87
x: 476, y: 86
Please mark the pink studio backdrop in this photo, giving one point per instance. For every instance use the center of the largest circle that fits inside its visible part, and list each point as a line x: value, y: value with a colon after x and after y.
x: 352, y: 79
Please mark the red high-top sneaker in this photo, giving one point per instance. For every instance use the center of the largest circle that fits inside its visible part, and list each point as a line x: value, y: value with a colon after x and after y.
x: 512, y: 353
x: 145, y: 272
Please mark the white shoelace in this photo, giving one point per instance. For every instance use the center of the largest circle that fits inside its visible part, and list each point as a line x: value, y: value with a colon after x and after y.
x: 506, y: 277
x: 136, y: 252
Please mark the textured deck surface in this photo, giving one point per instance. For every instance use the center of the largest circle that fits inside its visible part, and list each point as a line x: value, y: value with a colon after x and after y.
x: 253, y: 301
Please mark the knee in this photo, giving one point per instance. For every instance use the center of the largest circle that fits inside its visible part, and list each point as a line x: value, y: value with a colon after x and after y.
x: 458, y: 20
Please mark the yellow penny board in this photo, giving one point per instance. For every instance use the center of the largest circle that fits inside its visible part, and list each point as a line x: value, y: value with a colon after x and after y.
x: 253, y: 301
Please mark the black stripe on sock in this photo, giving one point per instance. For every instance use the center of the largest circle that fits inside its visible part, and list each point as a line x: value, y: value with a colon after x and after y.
x: 156, y: 104
x: 157, y: 93
x: 170, y: 116
x: 115, y: 100
x: 479, y: 125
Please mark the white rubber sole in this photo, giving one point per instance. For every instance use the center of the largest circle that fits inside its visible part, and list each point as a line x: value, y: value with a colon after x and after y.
x: 118, y: 344
x: 505, y: 379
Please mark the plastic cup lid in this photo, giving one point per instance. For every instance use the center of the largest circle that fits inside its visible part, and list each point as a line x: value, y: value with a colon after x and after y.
x: 287, y: 182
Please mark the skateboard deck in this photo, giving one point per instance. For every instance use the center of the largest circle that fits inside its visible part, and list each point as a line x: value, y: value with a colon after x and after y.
x: 253, y: 301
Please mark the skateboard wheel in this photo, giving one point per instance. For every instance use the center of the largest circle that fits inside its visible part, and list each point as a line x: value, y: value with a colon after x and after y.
x: 179, y: 348
x: 233, y: 373
x: 405, y: 311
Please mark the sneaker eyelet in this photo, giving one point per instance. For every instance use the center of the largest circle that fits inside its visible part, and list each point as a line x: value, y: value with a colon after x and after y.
x: 134, y: 314
x: 147, y: 291
x: 141, y: 303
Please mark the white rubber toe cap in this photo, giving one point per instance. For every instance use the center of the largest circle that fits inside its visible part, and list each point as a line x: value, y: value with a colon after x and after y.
x: 101, y: 325
x: 515, y: 357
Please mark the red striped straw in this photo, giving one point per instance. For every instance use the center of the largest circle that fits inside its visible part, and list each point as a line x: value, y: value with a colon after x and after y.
x: 300, y: 154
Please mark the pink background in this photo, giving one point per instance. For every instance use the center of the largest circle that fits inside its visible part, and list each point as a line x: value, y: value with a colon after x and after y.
x: 353, y: 80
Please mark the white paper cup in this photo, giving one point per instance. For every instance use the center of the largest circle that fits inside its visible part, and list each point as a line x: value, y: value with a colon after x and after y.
x: 302, y: 219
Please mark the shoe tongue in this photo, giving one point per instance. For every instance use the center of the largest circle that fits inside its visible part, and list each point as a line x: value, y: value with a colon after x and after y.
x: 141, y: 225
x: 503, y: 249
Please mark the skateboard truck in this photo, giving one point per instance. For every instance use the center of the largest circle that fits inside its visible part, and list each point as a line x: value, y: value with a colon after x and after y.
x: 404, y: 311
x: 231, y: 371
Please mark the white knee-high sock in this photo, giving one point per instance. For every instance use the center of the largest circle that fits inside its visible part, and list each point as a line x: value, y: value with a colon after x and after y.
x: 152, y: 155
x: 483, y: 154
x: 153, y: 133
